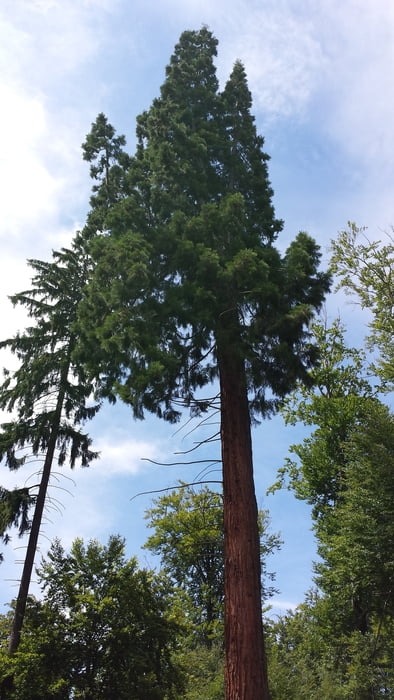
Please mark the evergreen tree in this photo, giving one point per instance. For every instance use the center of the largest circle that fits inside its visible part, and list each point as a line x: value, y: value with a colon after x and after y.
x: 188, y: 287
x: 48, y: 391
x: 103, y: 150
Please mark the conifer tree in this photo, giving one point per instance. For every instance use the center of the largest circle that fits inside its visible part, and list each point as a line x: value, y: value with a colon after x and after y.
x: 108, y: 165
x: 189, y: 288
x: 48, y: 391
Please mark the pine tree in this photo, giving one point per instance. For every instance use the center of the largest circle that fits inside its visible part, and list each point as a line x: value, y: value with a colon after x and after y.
x: 48, y: 391
x: 189, y: 288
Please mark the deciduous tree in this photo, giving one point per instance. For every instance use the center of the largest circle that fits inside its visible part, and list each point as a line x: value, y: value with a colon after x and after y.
x: 101, y: 630
x: 345, y: 470
x: 366, y: 269
x: 188, y: 536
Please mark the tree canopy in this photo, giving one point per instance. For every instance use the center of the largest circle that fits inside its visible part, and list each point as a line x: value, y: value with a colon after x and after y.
x: 189, y: 287
x: 365, y: 269
x: 340, y: 642
x: 190, y: 244
x: 101, y: 630
x: 188, y: 536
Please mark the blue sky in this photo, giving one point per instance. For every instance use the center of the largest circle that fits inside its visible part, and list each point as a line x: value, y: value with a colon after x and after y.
x: 320, y: 74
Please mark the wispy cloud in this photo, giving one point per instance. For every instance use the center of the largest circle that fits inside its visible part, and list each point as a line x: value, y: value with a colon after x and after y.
x: 45, y: 47
x: 282, y: 56
x: 280, y: 607
x: 123, y: 456
x: 118, y: 457
x: 29, y: 190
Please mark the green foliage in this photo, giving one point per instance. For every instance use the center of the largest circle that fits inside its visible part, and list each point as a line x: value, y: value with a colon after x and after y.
x: 335, y: 401
x: 358, y: 565
x: 308, y: 662
x: 190, y: 252
x: 48, y: 393
x: 103, y: 150
x: 204, y: 672
x: 44, y: 351
x: 14, y: 511
x: 340, y: 644
x: 365, y: 268
x: 101, y: 631
x: 188, y: 536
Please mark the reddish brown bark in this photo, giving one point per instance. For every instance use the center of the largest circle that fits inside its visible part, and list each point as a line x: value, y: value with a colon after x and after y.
x: 245, y: 666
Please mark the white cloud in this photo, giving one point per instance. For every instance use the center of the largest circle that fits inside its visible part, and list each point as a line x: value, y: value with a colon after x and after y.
x: 29, y: 190
x: 357, y: 40
x: 118, y: 457
x: 54, y: 37
x: 282, y: 57
x: 278, y: 607
x: 277, y: 603
x: 123, y: 457
x: 45, y: 47
x: 43, y: 181
x: 326, y: 63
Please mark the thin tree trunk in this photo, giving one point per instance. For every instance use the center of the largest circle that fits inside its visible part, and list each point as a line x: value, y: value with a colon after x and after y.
x: 20, y: 607
x: 245, y: 665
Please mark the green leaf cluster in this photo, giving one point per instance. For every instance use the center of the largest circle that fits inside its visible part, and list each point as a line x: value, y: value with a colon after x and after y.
x: 308, y: 662
x: 102, y: 630
x: 365, y: 269
x: 339, y: 644
x: 188, y: 536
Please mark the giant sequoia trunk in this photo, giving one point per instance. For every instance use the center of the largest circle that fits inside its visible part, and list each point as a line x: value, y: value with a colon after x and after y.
x: 245, y: 665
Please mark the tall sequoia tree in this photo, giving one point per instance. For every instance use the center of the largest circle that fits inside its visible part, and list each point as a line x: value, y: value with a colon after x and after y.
x: 189, y: 288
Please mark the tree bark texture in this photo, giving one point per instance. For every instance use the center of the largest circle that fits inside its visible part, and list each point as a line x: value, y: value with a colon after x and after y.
x: 21, y: 601
x: 245, y: 665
